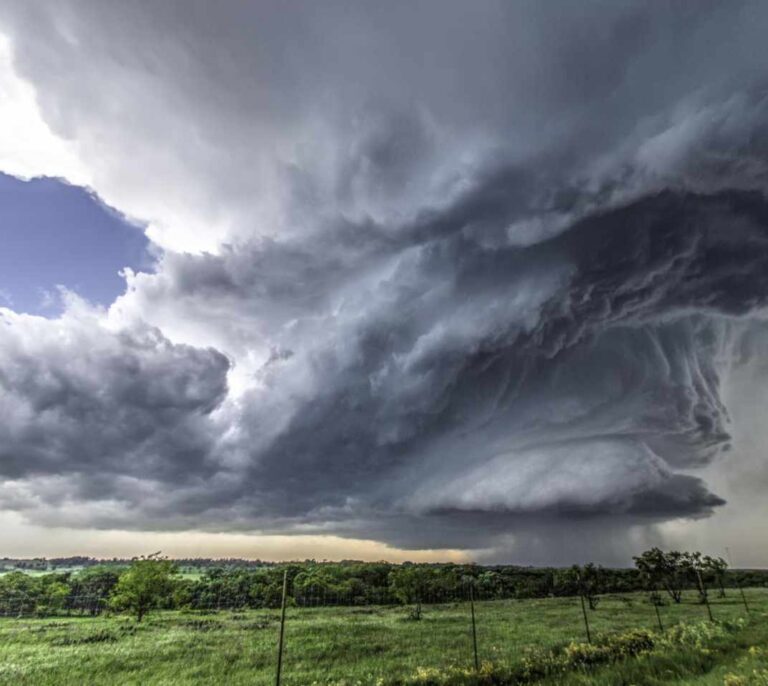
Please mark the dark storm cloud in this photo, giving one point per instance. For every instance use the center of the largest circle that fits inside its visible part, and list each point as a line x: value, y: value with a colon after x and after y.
x: 475, y: 384
x: 79, y: 399
x: 480, y: 271
x: 624, y: 344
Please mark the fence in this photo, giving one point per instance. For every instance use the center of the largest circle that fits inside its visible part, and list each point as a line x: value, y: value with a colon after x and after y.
x: 475, y: 619
x: 24, y: 605
x: 20, y: 604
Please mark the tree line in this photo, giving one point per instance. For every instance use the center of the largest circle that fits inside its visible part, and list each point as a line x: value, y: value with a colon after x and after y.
x: 153, y: 582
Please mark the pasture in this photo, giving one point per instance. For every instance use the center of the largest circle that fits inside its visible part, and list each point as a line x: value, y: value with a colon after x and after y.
x: 341, y: 645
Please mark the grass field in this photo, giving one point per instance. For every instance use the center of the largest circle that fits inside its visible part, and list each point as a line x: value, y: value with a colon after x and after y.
x: 184, y: 573
x: 40, y: 572
x: 350, y: 645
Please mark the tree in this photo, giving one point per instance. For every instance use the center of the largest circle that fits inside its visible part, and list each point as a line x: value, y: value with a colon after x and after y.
x: 90, y: 588
x: 19, y: 593
x: 54, y: 592
x: 697, y: 566
x: 410, y: 584
x: 716, y: 566
x: 145, y: 585
x: 665, y: 570
x: 586, y: 581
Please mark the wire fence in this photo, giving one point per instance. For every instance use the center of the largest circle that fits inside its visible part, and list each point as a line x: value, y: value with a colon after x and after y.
x: 472, y: 613
x: 26, y: 605
x: 23, y: 605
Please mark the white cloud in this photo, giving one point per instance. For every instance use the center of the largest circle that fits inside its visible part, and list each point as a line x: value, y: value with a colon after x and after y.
x: 28, y: 147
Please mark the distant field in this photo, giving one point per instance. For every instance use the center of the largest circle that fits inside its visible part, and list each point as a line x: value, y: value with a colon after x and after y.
x: 192, y: 574
x: 184, y: 573
x: 323, y: 645
x: 41, y: 572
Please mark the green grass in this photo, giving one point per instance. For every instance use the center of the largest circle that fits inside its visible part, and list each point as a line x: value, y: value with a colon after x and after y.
x: 731, y: 656
x: 357, y: 645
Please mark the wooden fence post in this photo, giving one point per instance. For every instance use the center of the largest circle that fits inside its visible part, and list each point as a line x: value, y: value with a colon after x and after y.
x: 658, y: 616
x: 738, y: 583
x: 474, y: 629
x: 584, y: 610
x: 704, y: 595
x: 282, y: 630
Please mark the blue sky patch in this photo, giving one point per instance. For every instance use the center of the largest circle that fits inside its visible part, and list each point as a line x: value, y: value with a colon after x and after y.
x: 51, y: 234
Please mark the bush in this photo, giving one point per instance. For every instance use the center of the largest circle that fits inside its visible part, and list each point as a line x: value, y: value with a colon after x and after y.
x: 538, y: 665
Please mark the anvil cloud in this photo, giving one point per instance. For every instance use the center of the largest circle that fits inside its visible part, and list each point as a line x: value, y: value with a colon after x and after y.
x: 431, y: 273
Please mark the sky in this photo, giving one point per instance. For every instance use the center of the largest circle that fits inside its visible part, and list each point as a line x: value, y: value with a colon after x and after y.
x: 406, y: 280
x: 54, y: 236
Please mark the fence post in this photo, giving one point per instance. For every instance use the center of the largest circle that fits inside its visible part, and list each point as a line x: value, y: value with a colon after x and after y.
x: 743, y: 597
x: 584, y: 610
x: 738, y: 583
x: 282, y: 630
x: 704, y: 595
x: 658, y: 616
x: 474, y: 629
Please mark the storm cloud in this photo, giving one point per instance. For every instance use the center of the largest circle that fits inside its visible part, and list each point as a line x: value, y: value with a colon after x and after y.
x: 429, y: 273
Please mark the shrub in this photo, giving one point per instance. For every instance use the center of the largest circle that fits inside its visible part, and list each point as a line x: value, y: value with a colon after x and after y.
x: 537, y: 665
